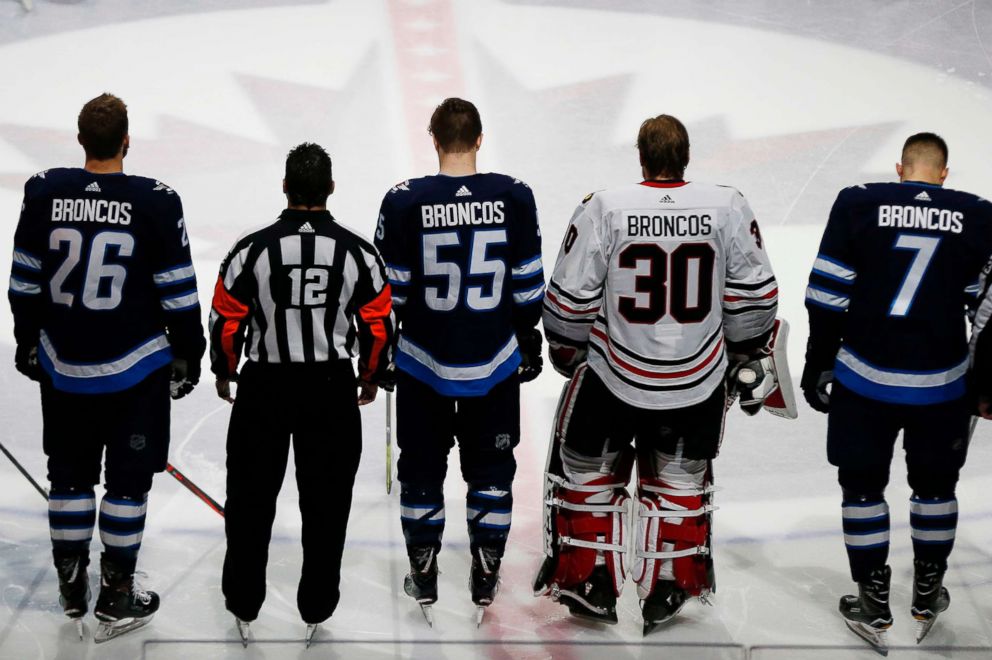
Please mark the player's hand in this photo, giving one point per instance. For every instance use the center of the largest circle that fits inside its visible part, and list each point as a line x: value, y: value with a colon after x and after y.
x: 366, y: 392
x: 815, y: 384
x: 185, y: 376
x: 985, y: 406
x: 26, y: 361
x: 388, y: 379
x: 531, y: 361
x: 224, y: 389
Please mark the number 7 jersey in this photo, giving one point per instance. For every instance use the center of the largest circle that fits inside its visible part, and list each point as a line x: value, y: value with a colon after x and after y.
x: 657, y: 279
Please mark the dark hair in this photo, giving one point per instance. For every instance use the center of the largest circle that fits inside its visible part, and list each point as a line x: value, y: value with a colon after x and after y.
x: 926, y: 146
x: 456, y: 125
x: 308, y: 175
x: 663, y: 144
x: 102, y: 126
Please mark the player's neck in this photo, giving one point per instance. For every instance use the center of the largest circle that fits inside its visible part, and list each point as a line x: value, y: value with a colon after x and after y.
x: 457, y: 164
x: 301, y: 207
x: 109, y: 166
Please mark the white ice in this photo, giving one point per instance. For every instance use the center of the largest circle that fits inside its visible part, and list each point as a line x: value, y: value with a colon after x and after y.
x: 784, y: 111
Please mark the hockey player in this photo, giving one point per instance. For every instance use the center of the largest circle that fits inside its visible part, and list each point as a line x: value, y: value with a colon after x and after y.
x: 888, y: 352
x: 290, y: 296
x: 107, y: 320
x: 463, y: 253
x: 656, y: 284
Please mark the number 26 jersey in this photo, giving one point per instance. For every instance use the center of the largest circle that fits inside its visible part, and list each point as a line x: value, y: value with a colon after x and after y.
x: 656, y: 279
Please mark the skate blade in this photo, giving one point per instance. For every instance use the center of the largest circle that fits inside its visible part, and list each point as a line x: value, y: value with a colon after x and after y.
x: 311, y: 631
x: 923, y: 627
x: 79, y: 628
x: 651, y: 626
x: 425, y: 609
x: 878, y: 638
x: 480, y: 613
x: 109, y: 630
x: 242, y: 631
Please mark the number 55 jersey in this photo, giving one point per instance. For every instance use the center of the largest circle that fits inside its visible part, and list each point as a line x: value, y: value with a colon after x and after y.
x: 658, y: 280
x: 463, y: 255
x: 898, y: 265
x: 102, y: 281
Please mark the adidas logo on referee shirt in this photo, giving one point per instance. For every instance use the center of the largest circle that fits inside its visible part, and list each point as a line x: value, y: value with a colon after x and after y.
x: 923, y: 197
x: 463, y: 192
x: 306, y: 228
x: 93, y: 187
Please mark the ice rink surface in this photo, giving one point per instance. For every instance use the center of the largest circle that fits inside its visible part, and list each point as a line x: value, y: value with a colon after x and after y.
x: 788, y: 101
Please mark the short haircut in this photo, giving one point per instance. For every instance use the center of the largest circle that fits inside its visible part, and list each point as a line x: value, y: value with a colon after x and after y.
x: 925, y: 149
x: 308, y: 175
x: 663, y: 144
x: 102, y: 126
x: 456, y: 125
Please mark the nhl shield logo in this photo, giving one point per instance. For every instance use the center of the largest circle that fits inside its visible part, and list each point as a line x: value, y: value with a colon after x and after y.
x: 138, y: 442
x: 503, y: 441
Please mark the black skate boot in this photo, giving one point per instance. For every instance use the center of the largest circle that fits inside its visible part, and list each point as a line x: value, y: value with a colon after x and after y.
x: 666, y: 600
x: 868, y: 613
x: 930, y: 597
x: 74, y: 588
x: 122, y: 606
x: 484, y: 581
x: 594, y: 599
x: 421, y: 582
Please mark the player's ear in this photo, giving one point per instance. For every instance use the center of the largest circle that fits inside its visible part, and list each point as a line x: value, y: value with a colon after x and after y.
x: 478, y: 142
x: 126, y: 145
x: 943, y: 174
x: 330, y: 191
x: 899, y: 170
x: 284, y: 191
x: 437, y: 145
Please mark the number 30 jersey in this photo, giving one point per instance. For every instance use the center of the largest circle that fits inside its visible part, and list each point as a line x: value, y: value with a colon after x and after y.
x: 463, y: 255
x: 897, y: 266
x: 102, y: 282
x: 657, y: 279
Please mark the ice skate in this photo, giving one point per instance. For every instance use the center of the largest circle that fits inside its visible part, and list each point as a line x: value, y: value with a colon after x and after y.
x: 122, y: 606
x: 484, y: 581
x: 666, y: 600
x: 421, y: 582
x: 868, y: 614
x: 930, y: 597
x: 593, y: 600
x: 74, y: 589
x: 242, y: 630
x: 311, y: 631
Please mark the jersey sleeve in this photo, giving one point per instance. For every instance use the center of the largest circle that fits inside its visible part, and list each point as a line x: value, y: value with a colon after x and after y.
x: 175, y: 278
x: 27, y: 285
x: 376, y: 324
x: 980, y: 345
x: 527, y: 269
x: 750, y: 299
x: 830, y: 285
x: 391, y: 242
x: 575, y: 292
x: 233, y: 293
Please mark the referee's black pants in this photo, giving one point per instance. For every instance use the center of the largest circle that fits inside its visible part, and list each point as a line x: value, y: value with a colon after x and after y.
x: 317, y: 406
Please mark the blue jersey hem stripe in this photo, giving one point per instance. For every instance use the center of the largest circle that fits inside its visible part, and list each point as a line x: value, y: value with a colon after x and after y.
x: 104, y: 384
x: 914, y: 396
x: 458, y: 388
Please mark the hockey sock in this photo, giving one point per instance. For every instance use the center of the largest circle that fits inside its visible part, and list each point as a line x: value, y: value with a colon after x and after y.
x: 488, y: 511
x: 122, y: 524
x: 71, y: 517
x: 933, y: 521
x: 866, y: 534
x: 422, y: 516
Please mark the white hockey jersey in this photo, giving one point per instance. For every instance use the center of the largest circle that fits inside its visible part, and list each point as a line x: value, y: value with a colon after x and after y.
x: 656, y: 279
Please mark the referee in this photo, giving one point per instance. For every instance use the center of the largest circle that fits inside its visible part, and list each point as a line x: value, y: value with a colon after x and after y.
x: 300, y: 297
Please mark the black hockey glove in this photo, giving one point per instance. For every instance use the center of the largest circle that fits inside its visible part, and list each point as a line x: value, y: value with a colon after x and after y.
x: 815, y: 382
x: 185, y: 376
x: 26, y: 361
x: 531, y: 362
x: 388, y: 379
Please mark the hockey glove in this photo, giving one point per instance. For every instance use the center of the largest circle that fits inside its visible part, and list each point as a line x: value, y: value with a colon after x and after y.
x: 185, y: 376
x: 752, y: 379
x: 531, y: 362
x: 388, y: 379
x: 815, y: 384
x: 566, y: 358
x: 26, y: 361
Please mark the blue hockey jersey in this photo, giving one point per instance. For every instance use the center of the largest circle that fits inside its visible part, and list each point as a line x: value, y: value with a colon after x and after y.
x: 102, y: 281
x: 463, y: 257
x: 897, y: 269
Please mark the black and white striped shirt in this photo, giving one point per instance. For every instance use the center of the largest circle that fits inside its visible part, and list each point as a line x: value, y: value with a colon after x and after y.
x: 303, y: 289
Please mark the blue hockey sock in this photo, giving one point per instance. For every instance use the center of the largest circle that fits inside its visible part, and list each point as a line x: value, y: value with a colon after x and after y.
x: 122, y: 524
x: 933, y: 522
x: 488, y: 511
x: 422, y: 516
x: 866, y: 535
x: 71, y: 517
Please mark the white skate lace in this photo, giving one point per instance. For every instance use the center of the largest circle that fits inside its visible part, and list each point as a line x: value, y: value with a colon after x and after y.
x: 137, y: 590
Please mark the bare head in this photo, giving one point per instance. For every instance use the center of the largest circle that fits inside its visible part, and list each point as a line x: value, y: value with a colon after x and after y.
x: 308, y: 181
x: 663, y: 144
x: 924, y: 158
x: 103, y: 129
x: 457, y: 132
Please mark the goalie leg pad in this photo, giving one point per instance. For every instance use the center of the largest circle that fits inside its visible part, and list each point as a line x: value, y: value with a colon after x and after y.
x: 673, y: 527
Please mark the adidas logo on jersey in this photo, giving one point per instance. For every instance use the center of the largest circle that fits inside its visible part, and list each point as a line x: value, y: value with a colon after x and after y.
x: 463, y: 192
x: 93, y: 187
x: 923, y: 197
x: 306, y: 228
x: 667, y: 199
